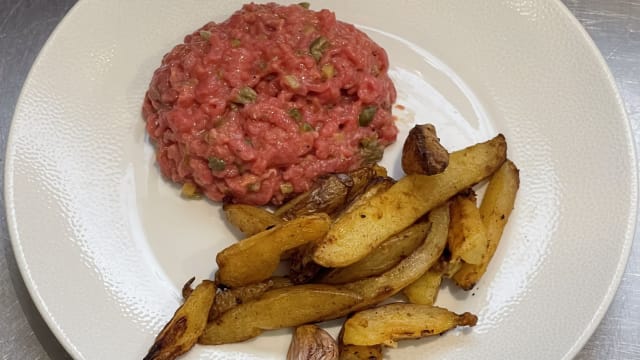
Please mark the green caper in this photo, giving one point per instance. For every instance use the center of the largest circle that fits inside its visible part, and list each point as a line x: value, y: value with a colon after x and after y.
x: 246, y: 95
x: 295, y: 114
x: 366, y: 115
x: 304, y: 4
x: 216, y: 164
x: 205, y: 35
x: 318, y: 47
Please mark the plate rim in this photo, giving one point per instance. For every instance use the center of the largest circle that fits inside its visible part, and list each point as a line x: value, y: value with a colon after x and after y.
x: 59, y: 333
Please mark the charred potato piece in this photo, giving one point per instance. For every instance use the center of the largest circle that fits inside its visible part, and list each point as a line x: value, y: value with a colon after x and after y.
x: 276, y: 309
x: 255, y: 259
x: 424, y: 290
x: 302, y: 269
x: 388, y: 323
x: 186, y: 326
x: 328, y: 195
x: 467, y: 236
x: 383, y: 258
x: 422, y: 152
x: 230, y: 298
x: 356, y: 233
x: 495, y: 210
x: 309, y: 342
x: 250, y: 220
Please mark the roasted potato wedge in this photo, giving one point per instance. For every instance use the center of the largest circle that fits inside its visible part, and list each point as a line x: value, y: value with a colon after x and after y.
x: 357, y: 352
x: 467, y: 236
x: 356, y: 233
x: 302, y: 269
x: 495, y: 210
x: 309, y: 342
x: 388, y: 323
x: 422, y: 152
x: 424, y: 291
x: 186, y: 326
x: 255, y: 259
x: 377, y: 186
x: 250, y: 220
x: 230, y: 298
x: 276, y: 309
x: 329, y: 195
x: 382, y: 258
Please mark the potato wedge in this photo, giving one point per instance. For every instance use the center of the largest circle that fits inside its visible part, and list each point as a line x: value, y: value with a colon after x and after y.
x: 377, y: 186
x: 424, y: 290
x: 467, y: 235
x: 250, y: 220
x: 256, y: 258
x: 276, y: 309
x: 356, y: 233
x: 357, y: 352
x: 388, y: 323
x: 382, y: 258
x: 302, y: 269
x: 230, y: 298
x: 422, y: 152
x: 328, y: 195
x: 495, y: 210
x: 186, y: 326
x: 375, y: 289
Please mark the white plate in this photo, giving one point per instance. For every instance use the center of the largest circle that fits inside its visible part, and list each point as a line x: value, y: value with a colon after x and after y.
x: 104, y: 243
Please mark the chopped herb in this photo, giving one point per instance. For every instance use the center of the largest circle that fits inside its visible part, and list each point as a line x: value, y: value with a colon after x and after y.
x: 295, y: 114
x: 216, y: 164
x: 291, y: 81
x: 286, y: 188
x: 246, y: 95
x: 205, y: 35
x: 328, y: 71
x: 366, y: 115
x: 318, y: 47
x: 305, y: 4
x: 235, y: 43
x: 306, y: 127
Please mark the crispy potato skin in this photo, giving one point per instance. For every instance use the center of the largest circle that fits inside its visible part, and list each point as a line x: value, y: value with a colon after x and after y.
x: 357, y: 352
x: 422, y: 152
x: 383, y: 258
x: 276, y: 309
x: 250, y: 220
x: 496, y: 207
x: 182, y: 332
x: 329, y: 195
x: 356, y: 233
x: 230, y: 298
x: 388, y: 323
x: 255, y: 259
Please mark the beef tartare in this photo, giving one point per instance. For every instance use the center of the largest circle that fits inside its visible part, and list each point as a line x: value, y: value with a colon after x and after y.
x: 253, y: 109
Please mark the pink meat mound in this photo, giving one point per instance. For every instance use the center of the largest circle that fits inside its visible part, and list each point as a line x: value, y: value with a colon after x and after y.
x: 253, y: 109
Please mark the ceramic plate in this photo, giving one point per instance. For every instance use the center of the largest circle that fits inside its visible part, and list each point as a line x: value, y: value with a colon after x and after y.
x: 104, y: 243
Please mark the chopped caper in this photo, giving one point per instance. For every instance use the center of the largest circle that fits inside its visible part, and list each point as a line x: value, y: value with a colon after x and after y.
x: 286, y: 188
x: 291, y: 81
x: 235, y: 43
x: 216, y: 164
x: 328, y: 71
x: 318, y: 47
x: 366, y: 115
x: 304, y: 4
x: 370, y: 150
x: 295, y: 114
x: 254, y: 187
x: 246, y: 95
x: 306, y: 127
x: 205, y: 35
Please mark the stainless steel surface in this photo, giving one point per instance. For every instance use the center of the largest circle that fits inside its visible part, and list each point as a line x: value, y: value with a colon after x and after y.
x: 24, y: 27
